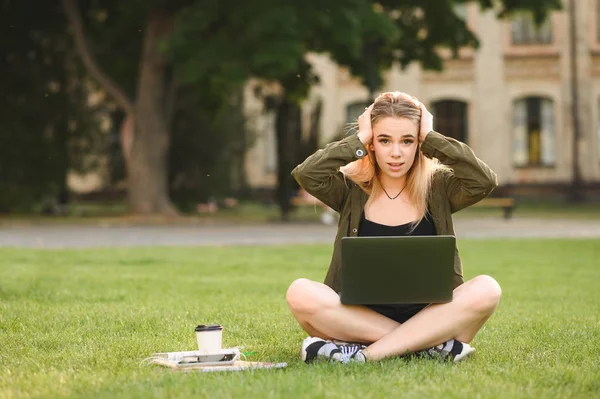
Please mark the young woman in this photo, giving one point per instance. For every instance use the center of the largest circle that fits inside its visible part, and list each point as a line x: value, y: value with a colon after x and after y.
x: 396, y: 176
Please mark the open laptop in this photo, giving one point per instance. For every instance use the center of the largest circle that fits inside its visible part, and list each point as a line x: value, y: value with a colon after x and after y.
x: 396, y: 270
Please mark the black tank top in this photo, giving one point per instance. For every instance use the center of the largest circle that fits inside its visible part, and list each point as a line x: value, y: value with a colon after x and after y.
x: 366, y: 228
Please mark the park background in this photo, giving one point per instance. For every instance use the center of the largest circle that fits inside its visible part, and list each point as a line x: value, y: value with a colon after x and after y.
x: 145, y: 158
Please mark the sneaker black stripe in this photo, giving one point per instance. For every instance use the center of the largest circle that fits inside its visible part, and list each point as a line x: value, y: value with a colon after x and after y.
x: 333, y: 352
x: 312, y: 350
x: 457, y: 348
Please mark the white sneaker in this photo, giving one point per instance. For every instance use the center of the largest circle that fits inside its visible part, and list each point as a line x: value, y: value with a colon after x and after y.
x: 451, y: 350
x: 310, y: 348
x: 467, y: 351
x: 314, y: 348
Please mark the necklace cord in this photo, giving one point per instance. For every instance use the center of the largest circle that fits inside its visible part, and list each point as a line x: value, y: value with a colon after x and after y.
x: 386, y: 193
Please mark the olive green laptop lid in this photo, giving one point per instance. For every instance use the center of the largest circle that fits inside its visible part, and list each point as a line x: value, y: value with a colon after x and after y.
x: 396, y: 270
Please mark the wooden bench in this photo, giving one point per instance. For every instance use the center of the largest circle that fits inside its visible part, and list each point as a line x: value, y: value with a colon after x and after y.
x: 302, y: 198
x: 507, y: 204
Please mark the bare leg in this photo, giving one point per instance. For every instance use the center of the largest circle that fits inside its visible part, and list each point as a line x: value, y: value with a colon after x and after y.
x: 468, y: 334
x: 319, y: 310
x: 311, y: 331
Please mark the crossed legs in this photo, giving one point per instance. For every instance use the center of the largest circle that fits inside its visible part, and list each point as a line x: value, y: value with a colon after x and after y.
x: 320, y: 313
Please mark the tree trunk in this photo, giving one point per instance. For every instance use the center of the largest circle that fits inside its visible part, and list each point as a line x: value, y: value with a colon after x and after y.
x: 288, y: 127
x: 146, y: 140
x: 147, y: 161
x: 147, y: 168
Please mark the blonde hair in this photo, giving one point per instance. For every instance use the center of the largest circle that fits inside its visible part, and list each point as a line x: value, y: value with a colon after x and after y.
x: 365, y: 171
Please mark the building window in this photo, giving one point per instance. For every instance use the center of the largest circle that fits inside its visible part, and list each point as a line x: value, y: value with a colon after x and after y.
x: 534, y: 141
x: 354, y: 110
x: 523, y: 30
x: 450, y: 119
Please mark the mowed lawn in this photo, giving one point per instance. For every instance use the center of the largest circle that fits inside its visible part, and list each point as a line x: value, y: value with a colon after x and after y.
x: 77, y: 323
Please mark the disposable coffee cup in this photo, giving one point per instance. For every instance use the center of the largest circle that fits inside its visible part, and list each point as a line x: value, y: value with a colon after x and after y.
x: 209, y: 338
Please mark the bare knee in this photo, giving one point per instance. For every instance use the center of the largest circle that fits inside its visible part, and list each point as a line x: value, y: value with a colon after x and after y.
x: 298, y: 295
x: 304, y: 296
x: 484, y: 294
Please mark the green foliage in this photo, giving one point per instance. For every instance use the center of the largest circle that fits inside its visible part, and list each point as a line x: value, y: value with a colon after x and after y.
x: 77, y: 323
x: 45, y: 126
x: 539, y: 8
x: 216, y: 46
x: 219, y: 44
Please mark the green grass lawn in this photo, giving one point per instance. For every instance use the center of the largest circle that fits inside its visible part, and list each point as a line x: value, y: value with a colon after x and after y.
x: 78, y: 323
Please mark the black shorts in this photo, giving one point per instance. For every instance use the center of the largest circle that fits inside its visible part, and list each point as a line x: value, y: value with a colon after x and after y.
x: 398, y: 313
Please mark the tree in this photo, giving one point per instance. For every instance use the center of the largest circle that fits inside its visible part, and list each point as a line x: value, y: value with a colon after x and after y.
x: 195, y: 40
x: 146, y: 128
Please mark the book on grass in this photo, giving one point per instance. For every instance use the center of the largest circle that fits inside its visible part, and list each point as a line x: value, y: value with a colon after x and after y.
x: 225, y: 360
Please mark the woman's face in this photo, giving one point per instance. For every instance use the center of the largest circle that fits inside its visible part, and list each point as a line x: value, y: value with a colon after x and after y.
x: 395, y: 143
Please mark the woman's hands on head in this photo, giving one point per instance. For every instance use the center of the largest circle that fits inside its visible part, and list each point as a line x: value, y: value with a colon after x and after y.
x: 365, y: 130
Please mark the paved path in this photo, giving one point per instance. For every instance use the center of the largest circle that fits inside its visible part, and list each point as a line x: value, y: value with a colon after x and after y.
x: 85, y: 236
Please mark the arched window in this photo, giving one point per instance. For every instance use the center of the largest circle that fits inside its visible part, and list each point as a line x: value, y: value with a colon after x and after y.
x: 450, y: 119
x: 534, y: 137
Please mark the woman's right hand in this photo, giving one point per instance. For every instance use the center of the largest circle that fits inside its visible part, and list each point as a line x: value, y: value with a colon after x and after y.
x: 365, y: 132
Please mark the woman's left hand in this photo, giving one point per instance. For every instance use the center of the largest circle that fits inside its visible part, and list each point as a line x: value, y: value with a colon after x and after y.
x: 426, y: 122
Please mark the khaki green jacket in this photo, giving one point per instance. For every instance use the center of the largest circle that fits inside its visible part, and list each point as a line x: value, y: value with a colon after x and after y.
x: 468, y: 181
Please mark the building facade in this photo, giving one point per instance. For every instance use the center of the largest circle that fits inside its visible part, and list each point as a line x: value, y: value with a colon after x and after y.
x: 510, y: 100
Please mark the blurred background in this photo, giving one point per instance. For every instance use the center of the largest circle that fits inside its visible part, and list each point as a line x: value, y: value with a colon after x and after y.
x: 202, y: 108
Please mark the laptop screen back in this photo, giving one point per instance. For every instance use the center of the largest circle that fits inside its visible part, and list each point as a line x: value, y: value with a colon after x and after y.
x: 396, y: 270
